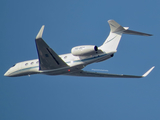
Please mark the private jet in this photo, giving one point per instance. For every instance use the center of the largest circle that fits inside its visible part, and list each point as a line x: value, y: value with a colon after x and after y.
x: 71, y: 64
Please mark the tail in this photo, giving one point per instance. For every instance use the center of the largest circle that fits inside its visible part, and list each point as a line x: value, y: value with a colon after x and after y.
x: 116, y: 31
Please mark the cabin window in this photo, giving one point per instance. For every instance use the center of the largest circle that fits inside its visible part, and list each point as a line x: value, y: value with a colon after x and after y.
x: 32, y: 63
x: 37, y: 62
x: 26, y: 64
x: 65, y: 57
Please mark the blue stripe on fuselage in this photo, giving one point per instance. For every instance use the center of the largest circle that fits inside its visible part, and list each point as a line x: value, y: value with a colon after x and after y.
x: 82, y: 60
x: 87, y: 59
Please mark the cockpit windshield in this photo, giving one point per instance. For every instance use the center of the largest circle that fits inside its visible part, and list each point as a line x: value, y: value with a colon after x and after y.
x: 13, y: 65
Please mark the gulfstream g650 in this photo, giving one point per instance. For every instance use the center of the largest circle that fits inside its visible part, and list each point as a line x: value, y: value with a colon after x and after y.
x: 50, y: 63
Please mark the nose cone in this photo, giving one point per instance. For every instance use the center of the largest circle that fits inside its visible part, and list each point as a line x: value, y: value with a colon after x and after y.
x: 6, y: 74
x: 10, y: 72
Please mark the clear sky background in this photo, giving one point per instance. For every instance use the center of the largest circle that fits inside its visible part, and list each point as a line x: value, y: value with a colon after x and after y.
x: 69, y: 23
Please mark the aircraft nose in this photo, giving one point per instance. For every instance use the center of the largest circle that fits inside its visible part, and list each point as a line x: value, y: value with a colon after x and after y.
x: 6, y: 74
x: 9, y: 72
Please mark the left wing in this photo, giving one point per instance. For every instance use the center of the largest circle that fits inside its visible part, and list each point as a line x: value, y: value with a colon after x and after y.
x: 48, y: 59
x: 95, y: 74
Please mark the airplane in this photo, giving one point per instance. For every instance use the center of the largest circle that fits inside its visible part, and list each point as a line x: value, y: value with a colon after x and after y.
x: 71, y: 64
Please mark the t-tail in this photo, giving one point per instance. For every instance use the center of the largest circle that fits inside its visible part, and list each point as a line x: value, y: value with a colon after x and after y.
x: 116, y: 31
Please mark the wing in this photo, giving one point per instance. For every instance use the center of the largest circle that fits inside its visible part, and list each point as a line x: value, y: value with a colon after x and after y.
x: 95, y: 74
x: 48, y: 59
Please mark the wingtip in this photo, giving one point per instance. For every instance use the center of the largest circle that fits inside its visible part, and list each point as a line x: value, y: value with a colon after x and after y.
x: 150, y: 34
x: 145, y: 34
x: 145, y: 74
x: 40, y: 33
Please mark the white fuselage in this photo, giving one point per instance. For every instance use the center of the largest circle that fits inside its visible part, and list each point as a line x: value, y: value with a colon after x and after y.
x: 50, y: 63
x: 74, y: 63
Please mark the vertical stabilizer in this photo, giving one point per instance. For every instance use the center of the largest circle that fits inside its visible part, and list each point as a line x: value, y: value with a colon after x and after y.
x: 111, y: 43
x: 116, y: 31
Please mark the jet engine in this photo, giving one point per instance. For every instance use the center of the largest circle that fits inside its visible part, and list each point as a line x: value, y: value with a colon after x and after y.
x: 84, y: 50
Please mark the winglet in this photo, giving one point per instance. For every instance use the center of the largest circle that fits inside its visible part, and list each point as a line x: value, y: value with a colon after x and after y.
x: 145, y: 74
x: 39, y: 35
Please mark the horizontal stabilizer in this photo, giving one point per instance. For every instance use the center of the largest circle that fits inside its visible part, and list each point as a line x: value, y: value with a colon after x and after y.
x: 117, y: 28
x: 136, y: 33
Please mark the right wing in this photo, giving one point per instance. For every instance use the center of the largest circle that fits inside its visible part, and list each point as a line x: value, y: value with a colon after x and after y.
x: 48, y: 59
x: 95, y: 74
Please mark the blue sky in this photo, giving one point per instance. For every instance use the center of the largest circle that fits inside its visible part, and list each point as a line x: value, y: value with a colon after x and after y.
x: 68, y: 24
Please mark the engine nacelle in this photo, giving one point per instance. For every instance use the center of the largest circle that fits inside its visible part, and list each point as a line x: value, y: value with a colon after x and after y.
x: 84, y: 50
